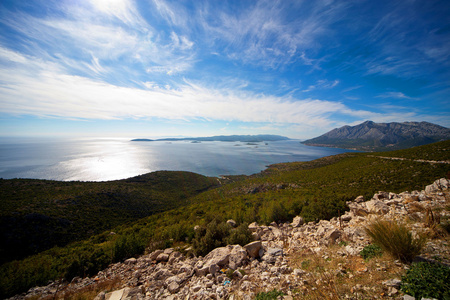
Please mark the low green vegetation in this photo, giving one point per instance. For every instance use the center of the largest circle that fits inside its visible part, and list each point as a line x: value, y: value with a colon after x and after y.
x: 396, y: 239
x: 111, y: 221
x: 271, y: 295
x: 371, y: 251
x: 218, y: 234
x: 36, y: 215
x: 427, y: 280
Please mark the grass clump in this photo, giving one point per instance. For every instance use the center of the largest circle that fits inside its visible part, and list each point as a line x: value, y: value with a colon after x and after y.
x: 371, y: 251
x: 272, y: 295
x: 395, y: 239
x: 427, y: 280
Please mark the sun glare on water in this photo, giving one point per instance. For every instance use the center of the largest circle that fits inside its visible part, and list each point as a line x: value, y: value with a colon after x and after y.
x: 112, y: 163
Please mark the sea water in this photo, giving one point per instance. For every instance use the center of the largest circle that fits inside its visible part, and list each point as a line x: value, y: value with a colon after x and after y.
x: 114, y: 158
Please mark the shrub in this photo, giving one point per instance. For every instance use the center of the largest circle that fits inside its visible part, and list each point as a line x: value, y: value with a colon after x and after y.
x: 272, y: 295
x: 427, y: 280
x: 240, y: 235
x: 218, y: 234
x: 395, y: 239
x: 371, y: 251
x: 209, y: 237
x: 127, y: 246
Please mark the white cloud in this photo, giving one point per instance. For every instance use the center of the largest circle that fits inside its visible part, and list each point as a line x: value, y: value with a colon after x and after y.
x: 101, y: 36
x: 398, y: 95
x: 265, y: 33
x: 123, y: 10
x: 322, y: 84
x: 35, y: 87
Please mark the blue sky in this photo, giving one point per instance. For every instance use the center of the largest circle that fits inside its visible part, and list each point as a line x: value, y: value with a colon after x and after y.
x: 153, y: 68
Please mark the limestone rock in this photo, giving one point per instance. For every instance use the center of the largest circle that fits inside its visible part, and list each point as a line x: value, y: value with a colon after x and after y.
x: 253, y: 248
x: 173, y: 287
x: 358, y: 209
x: 162, y: 257
x: 377, y: 207
x: 359, y: 199
x: 232, y: 223
x: 437, y: 186
x: 130, y: 261
x: 237, y: 256
x: 271, y: 254
x: 395, y: 283
x: 332, y: 236
x: 297, y: 222
x: 219, y: 256
x: 253, y: 227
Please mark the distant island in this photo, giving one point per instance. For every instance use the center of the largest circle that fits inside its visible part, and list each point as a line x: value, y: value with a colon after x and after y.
x: 225, y: 138
x: 371, y: 136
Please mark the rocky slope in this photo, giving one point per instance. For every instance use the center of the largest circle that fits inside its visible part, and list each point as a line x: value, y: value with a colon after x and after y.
x: 370, y: 136
x: 315, y: 260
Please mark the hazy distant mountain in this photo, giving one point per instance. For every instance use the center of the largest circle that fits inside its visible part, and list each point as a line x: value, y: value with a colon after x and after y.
x: 370, y: 136
x: 225, y: 138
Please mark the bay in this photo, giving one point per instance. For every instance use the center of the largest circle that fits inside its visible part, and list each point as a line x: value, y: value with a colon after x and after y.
x: 114, y: 158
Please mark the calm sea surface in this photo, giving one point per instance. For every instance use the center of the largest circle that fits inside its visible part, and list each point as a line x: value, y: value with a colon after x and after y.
x: 110, y: 159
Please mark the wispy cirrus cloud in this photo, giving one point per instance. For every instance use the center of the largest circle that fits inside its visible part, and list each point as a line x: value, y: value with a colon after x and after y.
x: 100, y: 37
x: 322, y: 84
x: 397, y: 95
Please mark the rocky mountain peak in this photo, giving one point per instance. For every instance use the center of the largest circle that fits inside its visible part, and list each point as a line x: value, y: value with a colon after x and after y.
x: 371, y: 136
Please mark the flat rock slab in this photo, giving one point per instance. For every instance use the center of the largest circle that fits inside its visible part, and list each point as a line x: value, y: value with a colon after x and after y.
x: 116, y: 295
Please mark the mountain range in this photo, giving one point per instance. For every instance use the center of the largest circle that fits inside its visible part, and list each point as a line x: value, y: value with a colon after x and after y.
x: 371, y: 136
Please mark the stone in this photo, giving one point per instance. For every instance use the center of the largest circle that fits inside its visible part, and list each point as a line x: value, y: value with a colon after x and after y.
x: 232, y: 223
x: 219, y: 256
x: 162, y: 257
x: 408, y: 297
x: 346, y: 217
x: 132, y: 293
x: 174, y: 278
x: 332, y: 236
x: 358, y: 209
x: 377, y: 207
x: 202, y: 271
x: 209, y: 284
x: 359, y: 199
x: 395, y: 283
x: 276, y: 233
x: 297, y: 222
x: 214, y: 269
x: 155, y: 254
x: 271, y: 254
x: 116, y: 295
x: 237, y: 256
x: 130, y: 261
x: 100, y: 296
x: 253, y: 249
x: 437, y: 186
x: 237, y: 274
x: 173, y: 287
x: 253, y: 226
x: 381, y: 196
x: 168, y: 251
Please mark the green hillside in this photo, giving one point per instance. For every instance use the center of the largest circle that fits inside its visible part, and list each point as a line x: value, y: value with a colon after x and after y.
x: 36, y: 215
x: 316, y: 190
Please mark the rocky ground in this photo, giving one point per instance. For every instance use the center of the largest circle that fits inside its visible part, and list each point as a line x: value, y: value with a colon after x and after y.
x: 303, y: 261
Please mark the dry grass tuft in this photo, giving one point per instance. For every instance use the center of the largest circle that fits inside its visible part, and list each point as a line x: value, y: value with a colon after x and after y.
x: 343, y: 277
x: 396, y: 239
